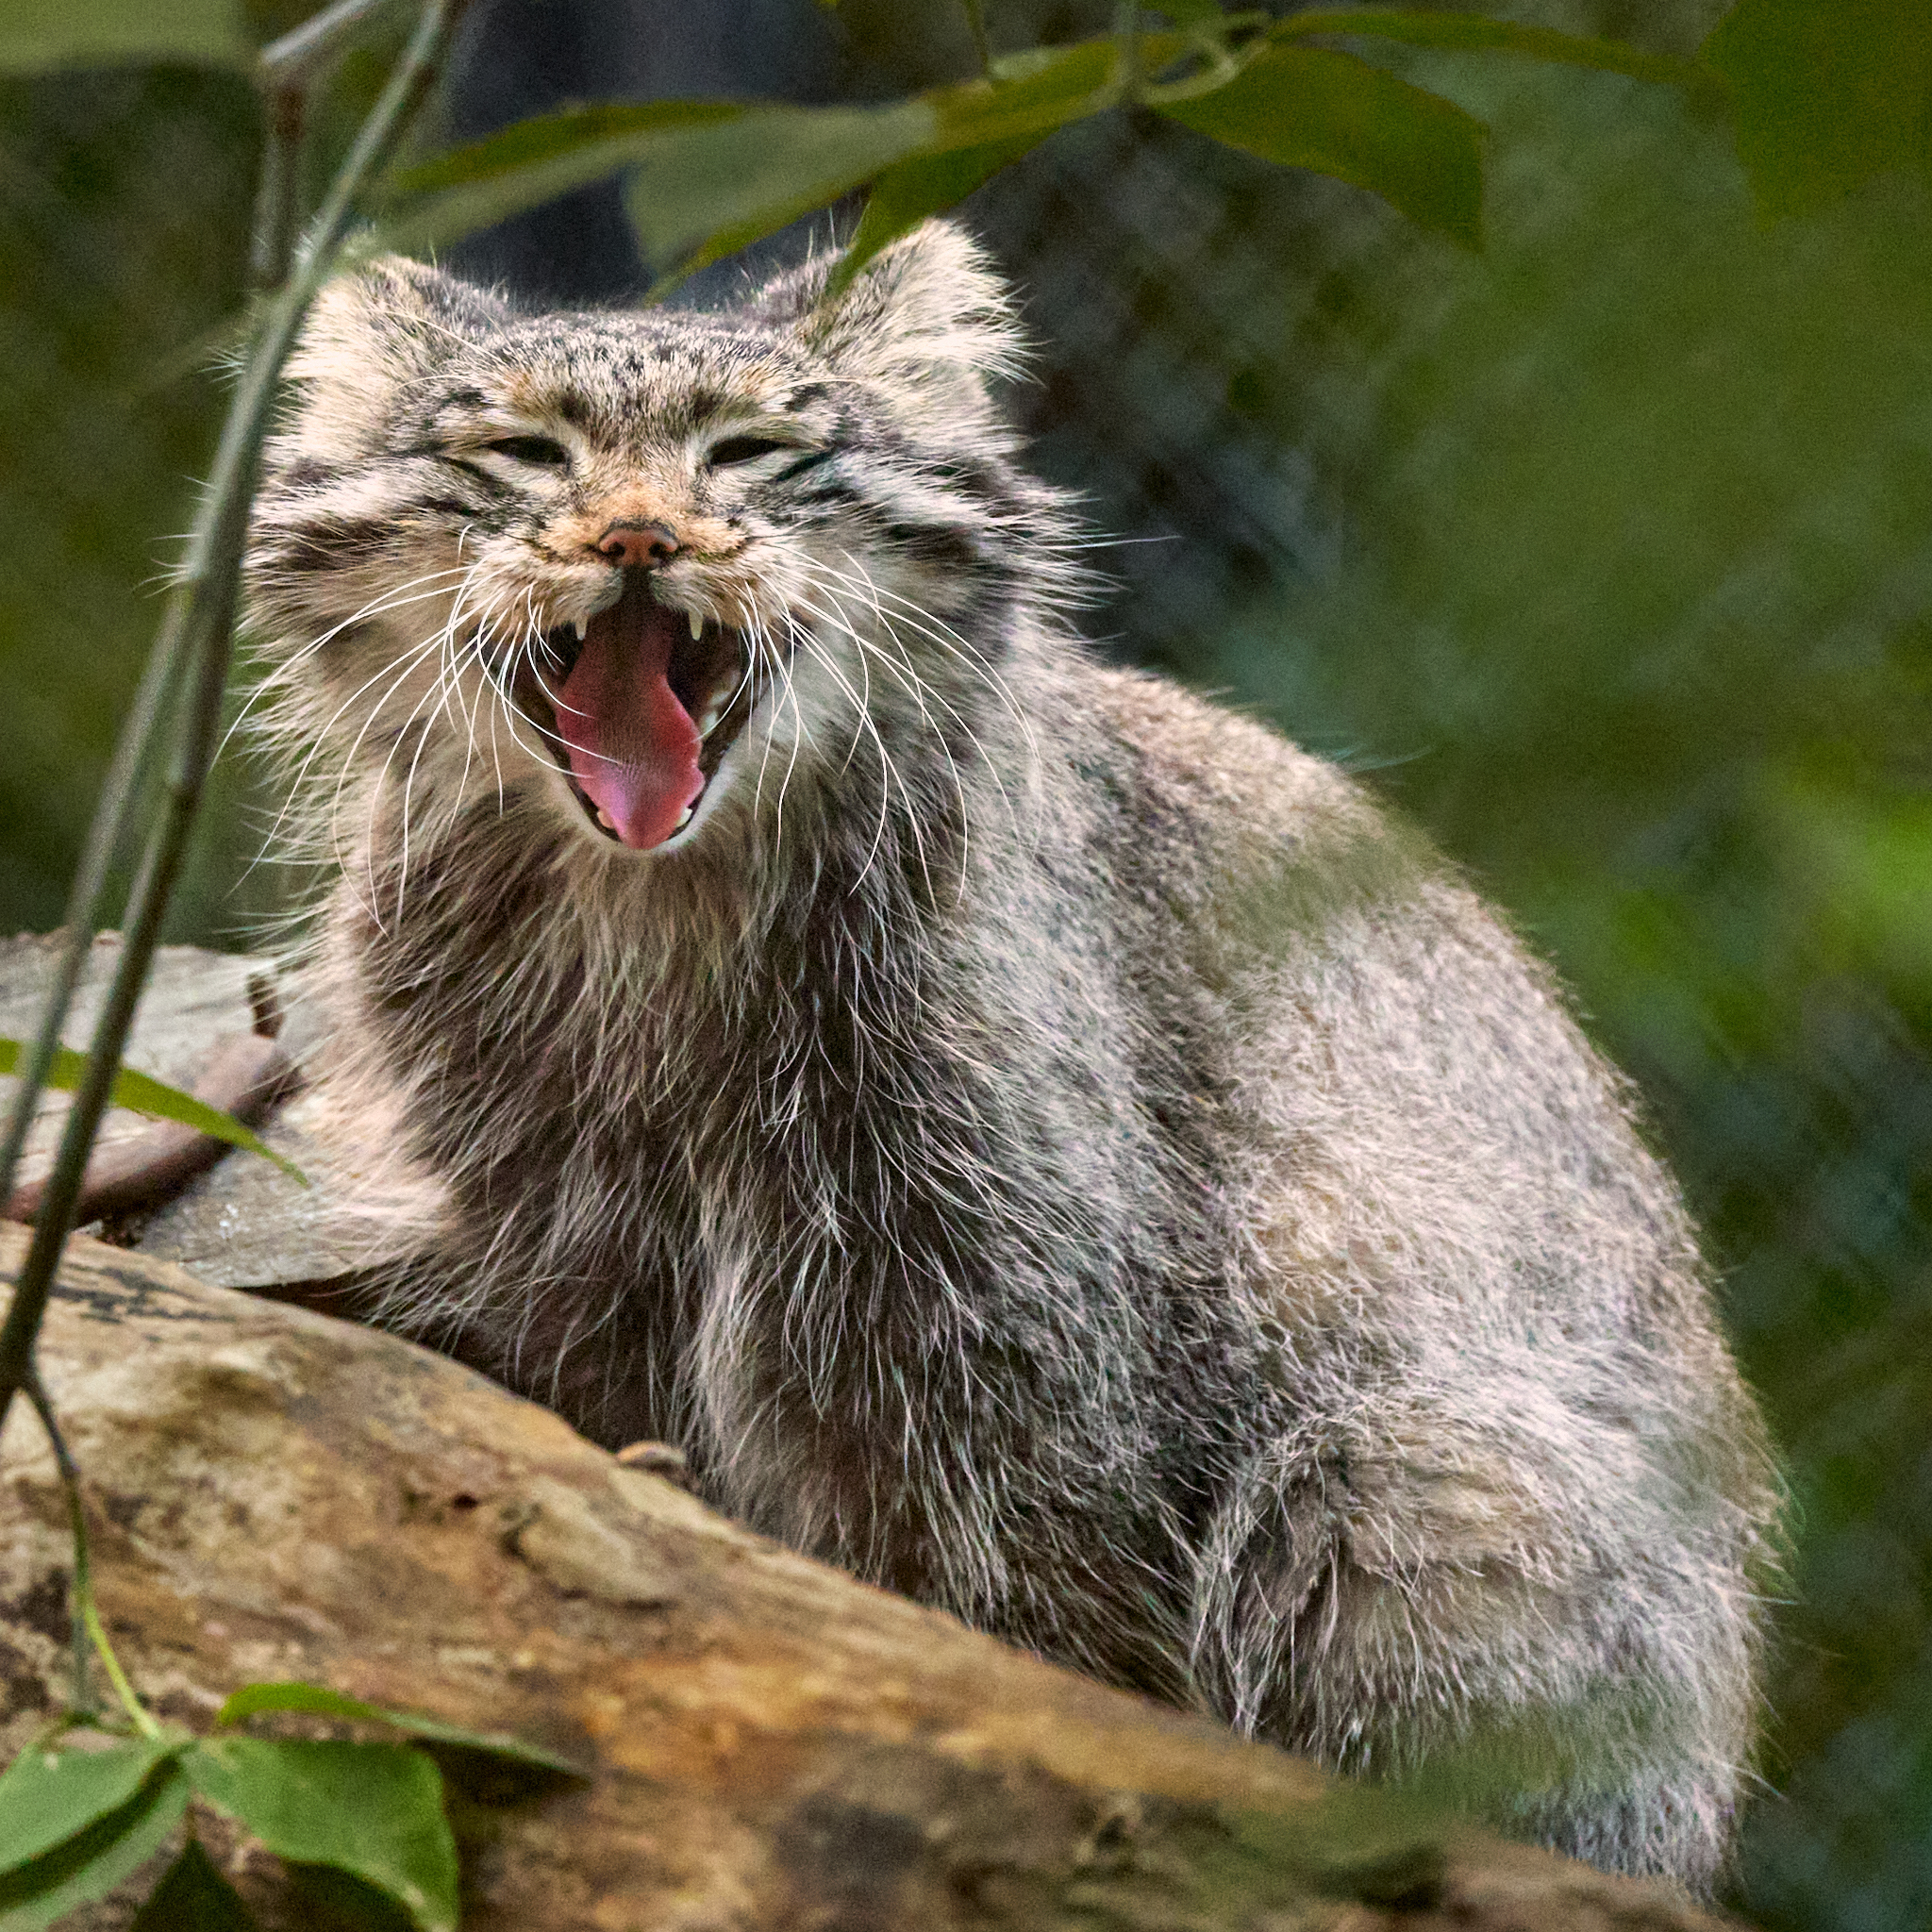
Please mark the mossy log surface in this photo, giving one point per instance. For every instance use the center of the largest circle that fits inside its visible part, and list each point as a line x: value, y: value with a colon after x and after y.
x: 274, y: 1493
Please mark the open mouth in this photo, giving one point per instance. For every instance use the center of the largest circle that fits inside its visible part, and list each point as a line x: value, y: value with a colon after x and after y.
x: 640, y: 702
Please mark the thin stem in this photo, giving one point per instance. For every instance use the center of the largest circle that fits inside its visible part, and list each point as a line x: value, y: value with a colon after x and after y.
x: 82, y: 918
x: 286, y: 111
x: 87, y: 1619
x: 982, y: 47
x: 212, y: 622
x: 208, y: 593
x: 242, y: 432
x: 271, y: 237
x: 1223, y: 64
x: 272, y: 240
x: 297, y: 57
x: 1126, y: 33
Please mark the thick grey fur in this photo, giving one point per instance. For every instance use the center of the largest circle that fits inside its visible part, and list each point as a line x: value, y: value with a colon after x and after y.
x: 1036, y: 1140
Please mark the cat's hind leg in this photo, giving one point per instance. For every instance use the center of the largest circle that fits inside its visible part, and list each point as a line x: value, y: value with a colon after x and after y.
x: 1407, y: 1592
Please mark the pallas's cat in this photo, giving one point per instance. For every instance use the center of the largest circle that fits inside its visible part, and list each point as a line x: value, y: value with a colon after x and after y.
x: 1034, y: 1138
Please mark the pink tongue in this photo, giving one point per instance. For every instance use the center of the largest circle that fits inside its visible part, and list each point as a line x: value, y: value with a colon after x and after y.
x: 632, y: 746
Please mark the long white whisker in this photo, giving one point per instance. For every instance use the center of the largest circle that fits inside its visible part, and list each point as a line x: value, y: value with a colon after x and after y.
x: 781, y: 666
x: 890, y: 774
x: 446, y: 681
x: 962, y: 650
x: 902, y: 670
x: 907, y: 679
x: 318, y: 739
x: 526, y: 647
x: 395, y: 598
x: 403, y: 667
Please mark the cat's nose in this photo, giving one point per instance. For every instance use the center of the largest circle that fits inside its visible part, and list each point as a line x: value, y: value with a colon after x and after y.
x: 638, y: 547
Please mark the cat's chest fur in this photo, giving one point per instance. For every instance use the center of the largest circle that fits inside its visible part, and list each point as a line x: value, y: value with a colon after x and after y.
x: 820, y: 1119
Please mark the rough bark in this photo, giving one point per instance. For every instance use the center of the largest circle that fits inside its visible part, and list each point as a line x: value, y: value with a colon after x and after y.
x: 277, y: 1495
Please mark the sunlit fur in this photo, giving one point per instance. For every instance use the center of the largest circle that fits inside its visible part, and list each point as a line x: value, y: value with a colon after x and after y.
x: 1036, y: 1140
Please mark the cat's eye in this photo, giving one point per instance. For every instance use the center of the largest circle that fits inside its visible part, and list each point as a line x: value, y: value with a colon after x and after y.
x: 744, y: 449
x: 531, y: 449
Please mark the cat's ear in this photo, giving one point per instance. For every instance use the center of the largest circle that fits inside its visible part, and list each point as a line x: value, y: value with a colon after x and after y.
x: 928, y: 320
x: 367, y: 334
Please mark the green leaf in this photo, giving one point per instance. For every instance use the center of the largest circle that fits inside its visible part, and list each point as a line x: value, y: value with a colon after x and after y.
x: 141, y: 1094
x: 703, y: 192
x: 194, y: 1896
x: 1192, y: 12
x: 469, y: 188
x: 320, y: 1701
x: 727, y: 187
x: 1311, y: 107
x: 1041, y: 89
x: 1825, y: 96
x: 51, y: 1791
x: 372, y: 1810
x: 36, y: 35
x: 904, y: 196
x: 711, y: 176
x: 95, y: 1860
x: 1472, y: 33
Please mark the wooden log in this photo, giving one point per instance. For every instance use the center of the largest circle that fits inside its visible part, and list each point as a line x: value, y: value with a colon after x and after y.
x: 770, y: 1744
x: 236, y: 1220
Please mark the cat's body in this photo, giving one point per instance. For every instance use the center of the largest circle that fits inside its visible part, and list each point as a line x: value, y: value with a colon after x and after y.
x: 1033, y: 1138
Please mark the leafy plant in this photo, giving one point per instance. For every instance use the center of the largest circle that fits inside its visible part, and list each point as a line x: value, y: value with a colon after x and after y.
x: 706, y: 178
x: 90, y: 1801
x: 83, y: 1806
x: 1825, y: 97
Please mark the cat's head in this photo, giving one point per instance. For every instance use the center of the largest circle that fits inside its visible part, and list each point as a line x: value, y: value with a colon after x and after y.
x: 640, y: 569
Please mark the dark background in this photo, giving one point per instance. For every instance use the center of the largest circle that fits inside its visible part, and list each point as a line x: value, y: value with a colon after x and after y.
x: 1606, y: 553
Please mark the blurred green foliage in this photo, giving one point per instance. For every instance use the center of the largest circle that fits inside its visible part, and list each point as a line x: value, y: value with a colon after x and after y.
x: 124, y: 199
x: 1636, y: 611
x: 1631, y: 603
x: 122, y: 243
